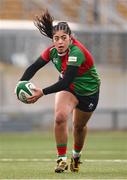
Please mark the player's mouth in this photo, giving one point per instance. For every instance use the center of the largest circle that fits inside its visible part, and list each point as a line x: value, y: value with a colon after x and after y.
x: 60, y: 48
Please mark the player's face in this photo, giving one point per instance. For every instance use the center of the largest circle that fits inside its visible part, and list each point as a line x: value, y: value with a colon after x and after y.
x: 61, y: 41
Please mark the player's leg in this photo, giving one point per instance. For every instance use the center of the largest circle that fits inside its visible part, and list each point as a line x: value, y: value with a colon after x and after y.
x: 65, y: 102
x: 80, y: 120
x: 81, y: 115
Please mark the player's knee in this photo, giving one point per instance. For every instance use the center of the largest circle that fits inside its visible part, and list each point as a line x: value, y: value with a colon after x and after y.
x: 60, y: 118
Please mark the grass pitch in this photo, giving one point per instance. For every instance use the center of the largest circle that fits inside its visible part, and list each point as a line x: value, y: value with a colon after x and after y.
x: 33, y: 155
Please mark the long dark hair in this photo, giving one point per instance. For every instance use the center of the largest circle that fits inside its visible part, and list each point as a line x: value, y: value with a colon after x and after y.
x: 44, y: 23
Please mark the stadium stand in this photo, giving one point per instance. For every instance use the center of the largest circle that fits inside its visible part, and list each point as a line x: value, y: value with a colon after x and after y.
x: 18, y: 9
x: 82, y: 11
x: 11, y: 9
x: 121, y: 7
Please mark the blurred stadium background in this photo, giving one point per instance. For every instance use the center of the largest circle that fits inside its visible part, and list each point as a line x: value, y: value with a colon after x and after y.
x: 99, y: 24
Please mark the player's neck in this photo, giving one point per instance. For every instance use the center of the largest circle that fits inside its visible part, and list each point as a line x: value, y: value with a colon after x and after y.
x: 62, y: 54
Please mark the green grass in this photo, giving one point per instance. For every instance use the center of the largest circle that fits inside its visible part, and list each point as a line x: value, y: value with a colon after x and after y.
x: 38, y: 153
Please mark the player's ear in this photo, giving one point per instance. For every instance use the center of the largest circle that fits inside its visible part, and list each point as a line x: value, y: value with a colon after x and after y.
x: 70, y: 39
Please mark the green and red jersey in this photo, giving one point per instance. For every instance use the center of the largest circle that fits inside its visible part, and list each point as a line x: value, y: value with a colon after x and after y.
x: 87, y: 81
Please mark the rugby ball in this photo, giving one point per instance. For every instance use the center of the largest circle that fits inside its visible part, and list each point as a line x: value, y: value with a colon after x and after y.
x: 23, y: 90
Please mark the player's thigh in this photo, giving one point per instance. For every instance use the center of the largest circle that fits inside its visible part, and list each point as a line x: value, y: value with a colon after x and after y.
x: 80, y: 118
x: 65, y: 101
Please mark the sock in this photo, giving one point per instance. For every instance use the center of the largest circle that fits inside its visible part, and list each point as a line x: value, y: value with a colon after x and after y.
x: 76, y: 151
x: 61, y: 149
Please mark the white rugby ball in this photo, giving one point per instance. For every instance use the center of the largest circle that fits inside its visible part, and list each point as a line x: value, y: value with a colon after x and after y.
x: 23, y: 90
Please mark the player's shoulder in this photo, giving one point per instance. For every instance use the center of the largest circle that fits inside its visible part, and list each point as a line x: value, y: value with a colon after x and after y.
x: 76, y: 45
x: 75, y: 49
x: 47, y: 52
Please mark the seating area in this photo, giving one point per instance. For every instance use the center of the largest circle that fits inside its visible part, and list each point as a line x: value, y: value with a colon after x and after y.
x: 80, y: 11
x: 121, y: 7
x: 18, y: 9
x: 70, y: 10
x: 10, y: 9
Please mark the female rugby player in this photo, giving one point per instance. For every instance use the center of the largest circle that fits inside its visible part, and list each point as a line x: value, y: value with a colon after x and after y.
x: 77, y: 90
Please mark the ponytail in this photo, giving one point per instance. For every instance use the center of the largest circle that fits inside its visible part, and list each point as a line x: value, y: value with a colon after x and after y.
x: 45, y: 24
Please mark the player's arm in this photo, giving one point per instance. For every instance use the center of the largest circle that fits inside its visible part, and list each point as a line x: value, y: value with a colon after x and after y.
x: 69, y: 76
x: 64, y: 83
x: 32, y: 69
x: 75, y: 59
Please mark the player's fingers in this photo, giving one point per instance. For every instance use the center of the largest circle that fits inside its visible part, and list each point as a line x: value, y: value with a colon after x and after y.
x: 30, y: 102
x: 31, y: 99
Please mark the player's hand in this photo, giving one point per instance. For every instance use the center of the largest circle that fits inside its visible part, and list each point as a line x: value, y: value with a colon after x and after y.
x: 36, y: 95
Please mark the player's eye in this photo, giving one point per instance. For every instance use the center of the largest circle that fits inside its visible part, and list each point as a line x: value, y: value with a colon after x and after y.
x: 56, y: 38
x: 63, y: 38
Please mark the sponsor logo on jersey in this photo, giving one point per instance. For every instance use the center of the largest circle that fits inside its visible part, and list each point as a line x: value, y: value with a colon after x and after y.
x: 55, y: 60
x: 72, y: 59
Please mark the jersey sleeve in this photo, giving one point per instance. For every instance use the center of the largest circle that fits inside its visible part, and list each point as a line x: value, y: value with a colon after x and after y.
x: 32, y: 69
x: 76, y: 57
x: 45, y: 55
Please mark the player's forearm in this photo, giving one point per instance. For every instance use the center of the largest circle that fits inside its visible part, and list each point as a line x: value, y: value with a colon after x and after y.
x: 63, y: 83
x: 32, y: 69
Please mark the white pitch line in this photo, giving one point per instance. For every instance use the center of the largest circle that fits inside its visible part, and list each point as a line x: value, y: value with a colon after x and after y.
x: 49, y: 160
x: 62, y: 179
x: 25, y: 160
x: 106, y: 160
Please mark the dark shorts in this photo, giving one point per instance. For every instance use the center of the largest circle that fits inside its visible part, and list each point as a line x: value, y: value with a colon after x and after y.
x: 87, y: 103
